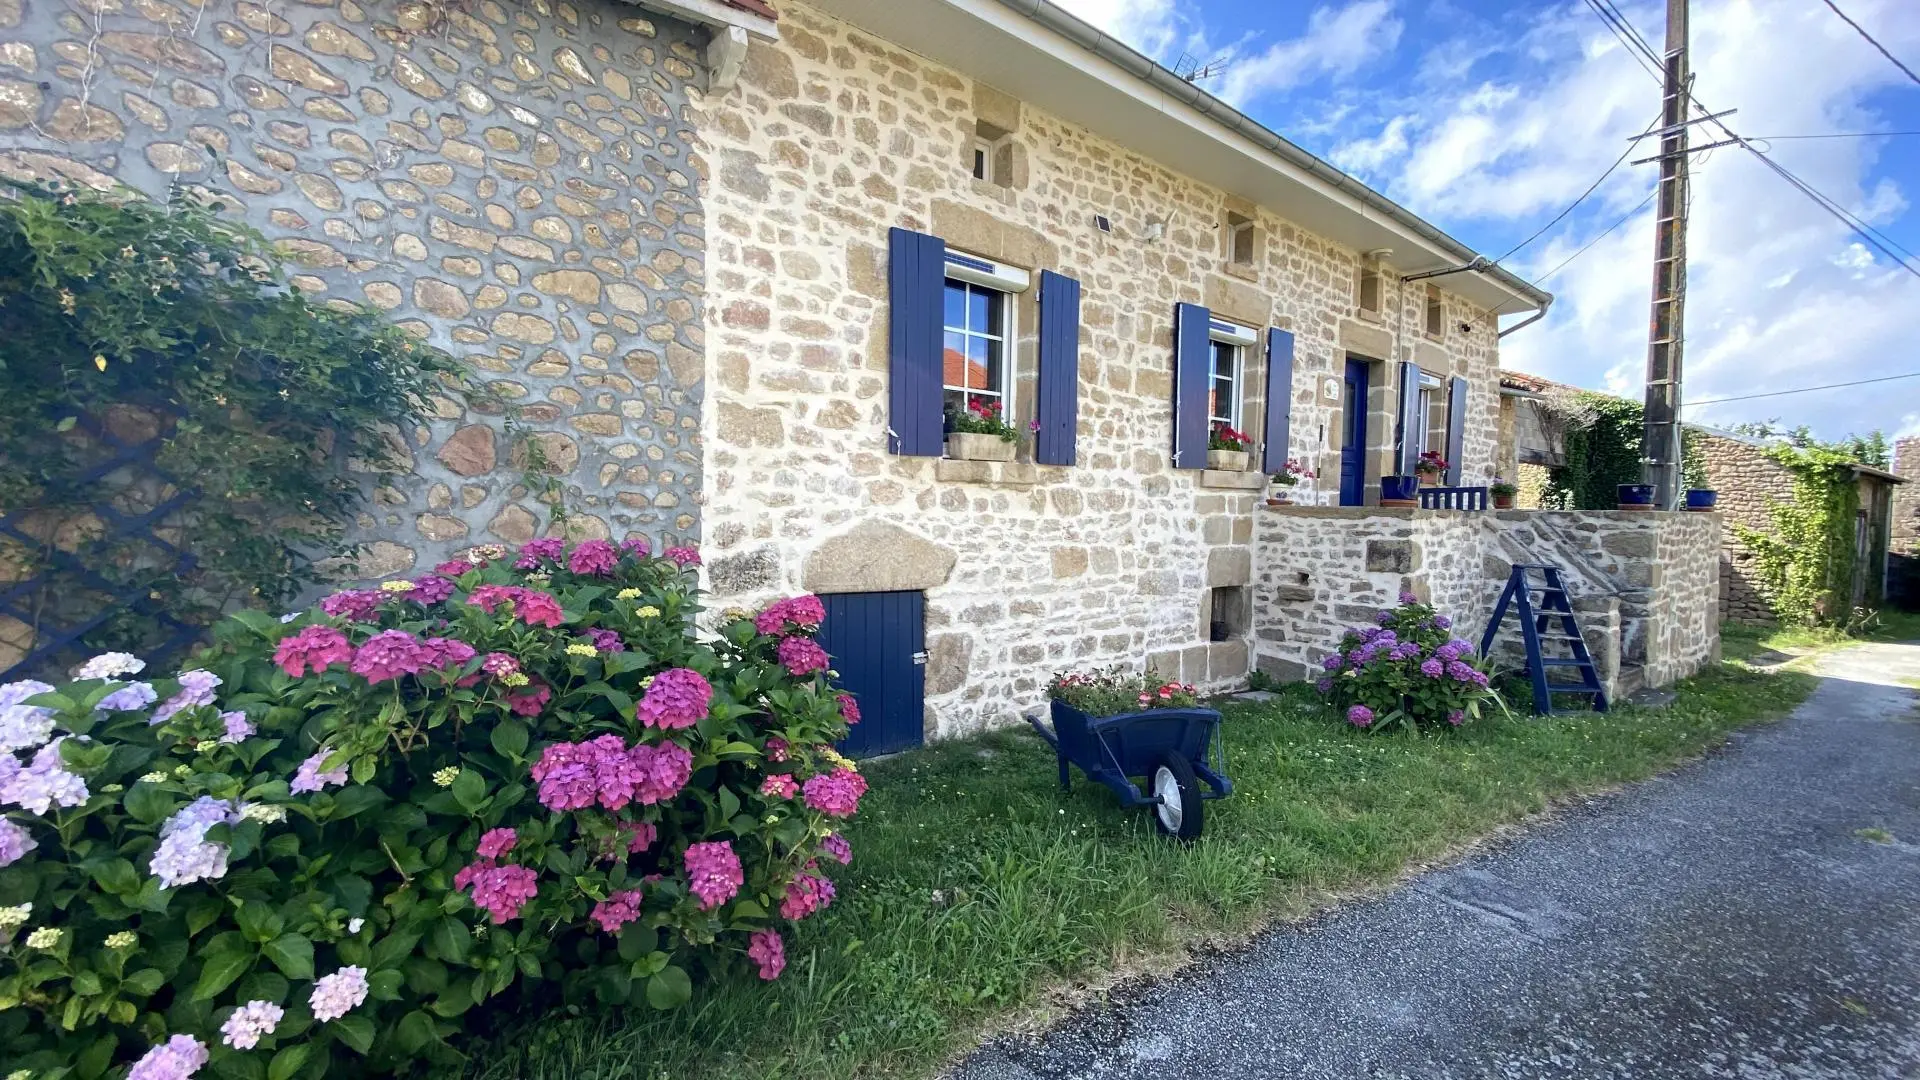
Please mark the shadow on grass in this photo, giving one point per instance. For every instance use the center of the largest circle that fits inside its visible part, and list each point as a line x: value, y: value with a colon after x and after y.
x: 976, y: 884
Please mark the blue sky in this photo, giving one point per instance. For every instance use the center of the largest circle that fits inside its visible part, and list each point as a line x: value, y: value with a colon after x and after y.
x: 1490, y: 117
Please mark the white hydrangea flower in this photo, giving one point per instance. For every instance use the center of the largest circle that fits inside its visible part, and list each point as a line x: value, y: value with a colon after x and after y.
x: 110, y: 665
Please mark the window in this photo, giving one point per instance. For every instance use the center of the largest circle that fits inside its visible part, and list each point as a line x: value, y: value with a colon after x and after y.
x: 982, y: 159
x: 1229, y: 613
x: 1369, y: 288
x: 1223, y: 389
x: 974, y: 367
x: 1240, y: 239
x: 1432, y: 434
x: 1433, y: 311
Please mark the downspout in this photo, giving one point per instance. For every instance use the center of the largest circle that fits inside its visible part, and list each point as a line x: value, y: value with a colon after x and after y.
x: 1528, y: 321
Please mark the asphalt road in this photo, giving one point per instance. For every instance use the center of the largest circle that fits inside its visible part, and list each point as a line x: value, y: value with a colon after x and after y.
x: 1753, y: 915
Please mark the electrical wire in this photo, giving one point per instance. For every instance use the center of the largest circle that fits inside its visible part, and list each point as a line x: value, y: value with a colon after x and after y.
x: 1861, y: 30
x: 1835, y: 135
x: 1635, y: 45
x: 1803, y: 389
x: 1561, y: 216
x: 1603, y: 235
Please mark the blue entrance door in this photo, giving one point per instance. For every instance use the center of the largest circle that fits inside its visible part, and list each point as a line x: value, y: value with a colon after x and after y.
x: 1353, y: 437
x: 876, y: 641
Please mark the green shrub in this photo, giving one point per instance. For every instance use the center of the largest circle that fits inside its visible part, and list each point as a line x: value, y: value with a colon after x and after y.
x: 345, y: 829
x: 1409, y: 670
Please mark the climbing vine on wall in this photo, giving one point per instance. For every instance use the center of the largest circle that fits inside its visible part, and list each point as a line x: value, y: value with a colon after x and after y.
x: 1602, y: 450
x: 1806, y: 559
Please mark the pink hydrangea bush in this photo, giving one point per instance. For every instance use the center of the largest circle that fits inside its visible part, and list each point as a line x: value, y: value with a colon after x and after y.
x: 518, y: 778
x: 1406, y: 670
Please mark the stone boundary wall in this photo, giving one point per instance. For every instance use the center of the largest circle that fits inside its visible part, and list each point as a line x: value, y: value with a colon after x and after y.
x: 1746, y: 479
x: 515, y: 183
x: 1903, y: 549
x: 1645, y: 586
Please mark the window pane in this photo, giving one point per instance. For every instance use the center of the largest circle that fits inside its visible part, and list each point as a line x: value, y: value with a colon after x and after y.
x: 953, y: 364
x: 980, y: 311
x: 953, y: 401
x: 995, y: 366
x: 979, y: 364
x: 956, y: 312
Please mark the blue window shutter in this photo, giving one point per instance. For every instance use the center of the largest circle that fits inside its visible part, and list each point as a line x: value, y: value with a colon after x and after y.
x: 1192, y: 368
x: 1456, y: 428
x: 1279, y: 400
x: 1057, y: 397
x: 916, y: 279
x: 1410, y: 418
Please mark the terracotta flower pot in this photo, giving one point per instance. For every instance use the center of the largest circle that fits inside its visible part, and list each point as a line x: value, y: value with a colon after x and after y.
x: 973, y: 446
x: 1227, y: 460
x: 1503, y: 502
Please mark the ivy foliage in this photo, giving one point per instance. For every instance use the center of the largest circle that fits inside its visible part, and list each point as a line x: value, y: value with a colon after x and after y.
x: 166, y: 326
x: 1807, y: 560
x: 1603, y: 438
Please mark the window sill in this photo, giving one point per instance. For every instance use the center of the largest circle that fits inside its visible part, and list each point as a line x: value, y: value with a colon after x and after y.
x: 1243, y: 271
x: 1009, y: 474
x: 1249, y: 480
x: 1374, y: 317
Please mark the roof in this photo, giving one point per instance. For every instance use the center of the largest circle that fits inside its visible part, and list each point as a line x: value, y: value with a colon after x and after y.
x: 1040, y: 54
x: 1520, y: 380
x: 758, y: 7
x: 1868, y: 470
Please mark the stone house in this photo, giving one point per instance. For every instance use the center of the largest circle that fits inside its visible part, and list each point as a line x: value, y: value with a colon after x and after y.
x: 1903, y: 560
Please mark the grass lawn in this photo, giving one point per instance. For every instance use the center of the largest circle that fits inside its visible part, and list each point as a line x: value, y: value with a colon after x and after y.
x: 1746, y: 641
x: 976, y: 887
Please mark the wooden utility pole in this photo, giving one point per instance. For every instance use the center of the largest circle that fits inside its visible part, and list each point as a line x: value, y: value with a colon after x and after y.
x: 1660, y: 448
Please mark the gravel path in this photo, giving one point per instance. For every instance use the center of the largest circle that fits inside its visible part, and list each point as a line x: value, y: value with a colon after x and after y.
x: 1753, y: 915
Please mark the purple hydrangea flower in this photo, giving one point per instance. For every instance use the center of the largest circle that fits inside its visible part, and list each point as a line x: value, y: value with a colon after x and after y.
x: 129, y: 697
x: 1433, y: 668
x: 1359, y: 716
x: 196, y: 689
x: 1442, y: 622
x: 184, y: 855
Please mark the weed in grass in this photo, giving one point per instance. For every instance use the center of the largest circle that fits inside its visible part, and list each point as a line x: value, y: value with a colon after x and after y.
x: 976, y: 885
x: 1874, y: 835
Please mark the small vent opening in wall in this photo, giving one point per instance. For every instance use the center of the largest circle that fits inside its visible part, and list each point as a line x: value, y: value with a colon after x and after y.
x: 1101, y: 222
x: 1230, y: 613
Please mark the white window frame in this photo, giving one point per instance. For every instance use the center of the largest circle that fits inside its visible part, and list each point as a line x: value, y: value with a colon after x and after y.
x: 983, y: 160
x: 1429, y: 389
x: 1239, y: 339
x: 985, y: 275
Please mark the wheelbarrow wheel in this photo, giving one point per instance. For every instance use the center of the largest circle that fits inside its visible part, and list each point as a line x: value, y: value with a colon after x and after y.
x: 1179, y: 813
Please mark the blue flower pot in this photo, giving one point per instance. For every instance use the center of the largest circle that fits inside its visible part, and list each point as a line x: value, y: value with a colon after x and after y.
x: 1399, y: 490
x: 1636, y: 496
x: 1702, y: 498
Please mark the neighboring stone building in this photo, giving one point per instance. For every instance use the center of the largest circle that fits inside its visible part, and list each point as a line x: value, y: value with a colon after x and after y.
x: 1903, y: 561
x: 1032, y: 147
x: 515, y: 182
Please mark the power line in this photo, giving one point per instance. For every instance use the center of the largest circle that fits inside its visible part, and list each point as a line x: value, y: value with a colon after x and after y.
x: 1561, y: 216
x: 1603, y: 235
x: 1858, y: 29
x: 1806, y: 389
x: 1836, y: 135
x: 1636, y: 46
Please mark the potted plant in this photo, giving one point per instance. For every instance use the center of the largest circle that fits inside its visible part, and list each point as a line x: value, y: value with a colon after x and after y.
x: 1227, y: 448
x: 1399, y: 491
x: 1503, y: 494
x: 979, y: 433
x: 1286, y: 480
x: 1636, y: 496
x: 1431, y: 467
x: 1702, y: 500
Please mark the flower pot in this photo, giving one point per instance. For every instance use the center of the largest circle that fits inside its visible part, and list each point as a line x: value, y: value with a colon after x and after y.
x: 1227, y: 460
x: 1503, y: 502
x: 1430, y: 477
x: 1279, y: 500
x: 1702, y: 499
x: 973, y: 446
x: 1399, y: 490
x: 1636, y: 496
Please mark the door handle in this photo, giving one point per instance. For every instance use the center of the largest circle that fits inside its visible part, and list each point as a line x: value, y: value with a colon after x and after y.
x: 920, y: 658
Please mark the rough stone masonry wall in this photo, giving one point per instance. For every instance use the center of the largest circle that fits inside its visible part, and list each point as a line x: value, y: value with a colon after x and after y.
x: 1905, y: 531
x: 1322, y: 570
x: 835, y: 136
x: 1746, y: 479
x: 512, y: 181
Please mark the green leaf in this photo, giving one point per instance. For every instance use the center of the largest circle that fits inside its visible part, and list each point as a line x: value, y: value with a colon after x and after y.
x: 729, y: 802
x: 144, y: 982
x: 637, y: 941
x: 356, y: 800
x: 363, y: 770
x: 669, y: 989
x: 222, y: 966
x: 384, y: 985
x: 510, y: 740
x: 355, y: 1031
x: 416, y: 1030
x: 292, y: 954
x: 86, y: 983
x: 148, y: 803
x: 450, y: 940
x: 287, y: 1063
x: 258, y: 921
x: 116, y: 876
x: 470, y: 790
x: 389, y: 951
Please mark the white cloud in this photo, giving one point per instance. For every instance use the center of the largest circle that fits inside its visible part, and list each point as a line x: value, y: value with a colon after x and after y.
x: 1338, y: 42
x: 1150, y: 26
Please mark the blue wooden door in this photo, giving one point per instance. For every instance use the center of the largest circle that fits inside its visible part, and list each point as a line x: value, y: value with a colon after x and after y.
x: 1353, y: 437
x: 877, y: 642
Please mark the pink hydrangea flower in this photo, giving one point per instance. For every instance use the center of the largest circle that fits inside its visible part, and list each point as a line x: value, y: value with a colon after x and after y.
x: 533, y: 551
x: 713, y: 872
x: 237, y: 727
x: 453, y: 568
x: 837, y: 848
x: 565, y: 775
x: 806, y: 894
x: 354, y: 605
x: 779, y: 786
x: 849, y: 708
x: 802, y: 613
x: 310, y: 778
x: 488, y: 597
x: 644, y: 834
x: 336, y: 995
x: 606, y: 640
x: 669, y: 765
x: 617, y: 910
x: 594, y: 557
x: 776, y: 748
x: 497, y: 842
x: 529, y: 701
x: 499, y: 665
x: 430, y: 589
x: 530, y: 606
x: 316, y: 647
x: 386, y: 655
x: 638, y: 545
x: 683, y: 556
x: 249, y: 1022
x: 444, y: 654
x: 501, y: 891
x: 766, y: 949
x: 837, y: 793
x: 176, y: 1059
x: 677, y: 698
x: 802, y: 655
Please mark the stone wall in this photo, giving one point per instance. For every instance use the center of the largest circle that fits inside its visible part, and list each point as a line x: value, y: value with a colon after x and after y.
x: 1645, y: 586
x: 1746, y: 479
x: 512, y: 182
x: 1906, y: 497
x: 834, y: 137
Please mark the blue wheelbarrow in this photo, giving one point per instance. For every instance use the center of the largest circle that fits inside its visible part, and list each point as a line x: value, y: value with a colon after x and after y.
x: 1172, y: 749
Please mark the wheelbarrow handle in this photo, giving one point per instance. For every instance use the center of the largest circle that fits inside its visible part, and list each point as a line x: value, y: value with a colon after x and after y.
x: 1043, y: 730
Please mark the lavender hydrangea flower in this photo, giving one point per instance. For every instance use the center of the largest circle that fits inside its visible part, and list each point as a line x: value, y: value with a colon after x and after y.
x: 40, y: 786
x: 238, y: 727
x: 249, y: 1022
x: 14, y: 693
x: 1442, y: 622
x: 184, y: 855
x: 132, y: 696
x: 15, y: 842
x: 310, y: 778
x: 176, y: 1059
x: 23, y: 727
x: 196, y: 689
x: 335, y: 995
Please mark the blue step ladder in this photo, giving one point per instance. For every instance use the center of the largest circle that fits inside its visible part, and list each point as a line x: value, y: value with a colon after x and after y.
x: 1536, y: 632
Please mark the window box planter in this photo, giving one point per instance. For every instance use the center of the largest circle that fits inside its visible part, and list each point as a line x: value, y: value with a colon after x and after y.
x: 973, y: 446
x: 1702, y: 499
x: 1636, y: 496
x: 1399, y: 491
x: 1227, y: 460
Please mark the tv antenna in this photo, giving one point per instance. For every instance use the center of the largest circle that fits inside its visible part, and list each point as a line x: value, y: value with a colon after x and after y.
x: 1190, y: 69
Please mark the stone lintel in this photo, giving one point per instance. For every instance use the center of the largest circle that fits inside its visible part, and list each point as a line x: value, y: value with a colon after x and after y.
x: 877, y: 556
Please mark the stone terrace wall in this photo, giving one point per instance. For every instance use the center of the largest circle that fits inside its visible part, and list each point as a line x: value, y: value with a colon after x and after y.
x: 1645, y: 585
x: 1906, y: 497
x: 514, y: 182
x: 833, y: 138
x: 1746, y: 478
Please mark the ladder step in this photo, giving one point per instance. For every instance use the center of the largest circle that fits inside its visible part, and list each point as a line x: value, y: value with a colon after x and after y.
x: 1556, y: 661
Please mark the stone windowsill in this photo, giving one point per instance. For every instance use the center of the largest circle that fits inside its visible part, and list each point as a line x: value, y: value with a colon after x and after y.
x: 1010, y: 474
x: 1245, y: 480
